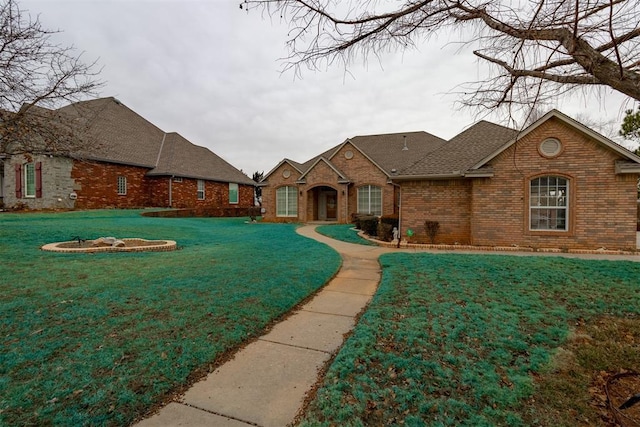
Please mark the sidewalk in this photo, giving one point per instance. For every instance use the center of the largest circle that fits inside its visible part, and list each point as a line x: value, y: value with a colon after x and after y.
x: 265, y: 384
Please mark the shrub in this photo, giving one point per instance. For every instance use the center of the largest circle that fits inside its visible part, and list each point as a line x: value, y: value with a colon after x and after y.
x: 432, y: 228
x: 385, y: 228
x: 369, y: 224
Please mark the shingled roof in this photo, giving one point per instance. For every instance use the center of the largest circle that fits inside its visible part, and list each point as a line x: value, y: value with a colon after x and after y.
x: 385, y: 150
x: 462, y: 151
x: 125, y: 137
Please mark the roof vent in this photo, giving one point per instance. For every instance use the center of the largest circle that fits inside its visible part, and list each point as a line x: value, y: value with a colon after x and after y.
x: 405, y: 148
x: 394, y: 170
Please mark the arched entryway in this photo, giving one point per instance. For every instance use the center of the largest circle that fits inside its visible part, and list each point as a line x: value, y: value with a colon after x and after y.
x: 325, y: 202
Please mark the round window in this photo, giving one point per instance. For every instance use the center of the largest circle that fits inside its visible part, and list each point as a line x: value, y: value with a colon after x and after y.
x: 550, y: 147
x: 348, y: 154
x: 286, y: 173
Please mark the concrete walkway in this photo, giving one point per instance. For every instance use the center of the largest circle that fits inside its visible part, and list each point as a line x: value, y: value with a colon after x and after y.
x: 265, y: 384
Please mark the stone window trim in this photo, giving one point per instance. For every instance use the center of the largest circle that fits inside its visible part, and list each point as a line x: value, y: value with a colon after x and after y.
x: 122, y: 185
x: 234, y: 193
x: 371, y: 190
x: 200, y: 192
x: 571, y: 208
x: 28, y: 180
x: 286, y: 201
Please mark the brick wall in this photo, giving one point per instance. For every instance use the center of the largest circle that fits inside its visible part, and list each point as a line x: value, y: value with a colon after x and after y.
x: 446, y: 201
x: 361, y: 172
x: 494, y: 211
x: 96, y: 185
x: 358, y: 169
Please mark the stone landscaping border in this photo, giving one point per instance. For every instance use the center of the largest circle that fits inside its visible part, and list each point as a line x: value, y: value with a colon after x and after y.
x: 149, y: 246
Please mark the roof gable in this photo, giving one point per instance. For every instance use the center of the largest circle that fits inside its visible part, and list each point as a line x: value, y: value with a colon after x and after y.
x: 297, y: 166
x: 568, y: 121
x: 342, y: 177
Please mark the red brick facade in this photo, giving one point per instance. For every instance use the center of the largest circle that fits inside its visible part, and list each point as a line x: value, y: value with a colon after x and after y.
x: 494, y: 211
x: 322, y: 178
x: 96, y: 186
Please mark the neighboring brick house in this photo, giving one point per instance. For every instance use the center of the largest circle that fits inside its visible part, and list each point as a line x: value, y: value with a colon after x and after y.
x: 556, y: 184
x: 128, y: 163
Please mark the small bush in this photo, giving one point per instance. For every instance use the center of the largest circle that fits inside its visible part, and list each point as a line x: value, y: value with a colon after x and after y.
x: 385, y: 232
x: 432, y: 228
x: 369, y: 224
x: 392, y: 220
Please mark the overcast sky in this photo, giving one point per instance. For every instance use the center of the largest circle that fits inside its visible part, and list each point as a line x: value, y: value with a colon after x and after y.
x: 211, y: 72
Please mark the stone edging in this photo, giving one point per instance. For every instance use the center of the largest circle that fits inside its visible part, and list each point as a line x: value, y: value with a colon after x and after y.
x: 161, y: 246
x: 406, y: 245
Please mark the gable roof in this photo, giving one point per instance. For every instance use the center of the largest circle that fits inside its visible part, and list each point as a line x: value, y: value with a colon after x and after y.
x: 342, y: 176
x: 125, y: 137
x: 461, y: 152
x: 569, y: 121
x: 384, y: 150
x: 297, y: 166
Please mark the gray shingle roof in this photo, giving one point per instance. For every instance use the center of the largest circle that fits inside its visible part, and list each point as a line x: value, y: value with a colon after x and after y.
x: 462, y: 151
x: 180, y: 157
x: 123, y: 136
x: 386, y: 150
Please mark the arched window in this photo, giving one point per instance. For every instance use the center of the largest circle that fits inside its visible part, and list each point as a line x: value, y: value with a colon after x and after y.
x: 287, y: 201
x: 549, y: 203
x: 370, y: 200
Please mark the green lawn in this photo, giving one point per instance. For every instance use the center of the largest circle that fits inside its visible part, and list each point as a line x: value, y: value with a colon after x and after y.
x: 344, y: 232
x: 97, y: 339
x: 474, y: 340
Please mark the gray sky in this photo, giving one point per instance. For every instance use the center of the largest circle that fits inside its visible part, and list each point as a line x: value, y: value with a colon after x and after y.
x: 211, y: 72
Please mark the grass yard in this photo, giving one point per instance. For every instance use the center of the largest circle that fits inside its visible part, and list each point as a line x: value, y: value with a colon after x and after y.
x: 343, y: 232
x: 485, y: 340
x: 99, y: 339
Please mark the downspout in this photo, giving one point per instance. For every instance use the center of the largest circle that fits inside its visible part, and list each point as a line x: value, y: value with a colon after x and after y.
x: 346, y: 204
x: 399, y: 211
x: 170, y: 193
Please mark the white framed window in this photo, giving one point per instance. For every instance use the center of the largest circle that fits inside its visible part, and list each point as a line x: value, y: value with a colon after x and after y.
x: 200, y: 189
x: 549, y: 203
x: 122, y: 185
x: 233, y: 193
x: 29, y: 180
x: 287, y: 201
x: 177, y: 179
x: 370, y: 200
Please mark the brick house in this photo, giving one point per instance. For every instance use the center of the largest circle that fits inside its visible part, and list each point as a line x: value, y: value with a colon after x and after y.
x: 352, y: 177
x: 555, y: 184
x: 129, y: 163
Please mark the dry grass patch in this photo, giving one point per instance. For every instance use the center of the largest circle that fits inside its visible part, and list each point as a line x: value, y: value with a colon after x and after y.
x: 582, y: 386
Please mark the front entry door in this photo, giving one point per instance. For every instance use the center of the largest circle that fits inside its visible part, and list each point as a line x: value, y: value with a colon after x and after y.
x: 332, y: 206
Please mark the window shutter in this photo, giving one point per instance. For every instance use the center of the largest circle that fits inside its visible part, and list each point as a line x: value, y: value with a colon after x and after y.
x: 18, y: 168
x: 39, y: 179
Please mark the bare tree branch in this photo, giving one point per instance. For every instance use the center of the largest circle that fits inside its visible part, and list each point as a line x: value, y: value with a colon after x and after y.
x: 558, y: 44
x: 37, y: 75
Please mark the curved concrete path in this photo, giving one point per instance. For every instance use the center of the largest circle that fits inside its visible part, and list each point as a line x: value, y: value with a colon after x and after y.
x: 265, y: 384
